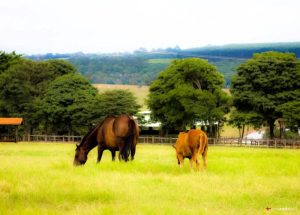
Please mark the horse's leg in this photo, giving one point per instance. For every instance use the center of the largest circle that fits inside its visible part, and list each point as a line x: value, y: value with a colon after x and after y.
x: 120, y: 156
x: 180, y: 159
x: 197, y: 163
x: 194, y: 159
x: 204, y: 158
x: 113, y: 155
x: 122, y: 153
x: 191, y: 163
x: 100, y: 152
x: 132, y: 152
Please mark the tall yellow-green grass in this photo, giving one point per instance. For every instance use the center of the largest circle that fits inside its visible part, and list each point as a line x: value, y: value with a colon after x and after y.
x: 39, y: 178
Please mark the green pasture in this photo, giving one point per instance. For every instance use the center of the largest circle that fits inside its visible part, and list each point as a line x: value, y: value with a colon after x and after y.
x: 39, y: 178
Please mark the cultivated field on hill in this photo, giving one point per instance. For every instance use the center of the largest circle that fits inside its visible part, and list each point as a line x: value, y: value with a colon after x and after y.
x: 140, y: 92
x: 39, y: 178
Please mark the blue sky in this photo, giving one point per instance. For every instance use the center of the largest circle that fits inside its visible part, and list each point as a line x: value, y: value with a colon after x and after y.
x: 95, y: 26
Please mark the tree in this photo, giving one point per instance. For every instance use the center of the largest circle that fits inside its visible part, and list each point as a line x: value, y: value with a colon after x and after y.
x: 23, y: 84
x: 266, y: 82
x: 189, y: 90
x: 69, y: 105
x: 62, y: 67
x: 117, y: 102
x: 242, y: 119
x: 291, y: 114
x: 20, y: 84
x: 7, y: 60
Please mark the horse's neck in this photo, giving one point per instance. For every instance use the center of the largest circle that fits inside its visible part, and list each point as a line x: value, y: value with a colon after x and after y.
x: 91, y: 141
x: 90, y: 145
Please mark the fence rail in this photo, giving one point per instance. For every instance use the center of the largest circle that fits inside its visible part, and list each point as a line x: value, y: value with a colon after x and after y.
x: 270, y: 143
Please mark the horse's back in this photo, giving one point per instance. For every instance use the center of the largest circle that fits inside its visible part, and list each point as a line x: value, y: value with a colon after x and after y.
x: 122, y: 126
x: 194, y: 136
x: 114, y: 128
x: 198, y: 139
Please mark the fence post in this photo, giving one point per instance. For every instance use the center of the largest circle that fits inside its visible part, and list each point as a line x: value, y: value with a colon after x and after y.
x: 152, y: 139
x: 293, y: 144
x: 285, y: 143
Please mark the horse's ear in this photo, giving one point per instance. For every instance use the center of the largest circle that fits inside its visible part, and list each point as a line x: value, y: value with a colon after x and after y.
x: 77, y: 146
x: 174, y: 146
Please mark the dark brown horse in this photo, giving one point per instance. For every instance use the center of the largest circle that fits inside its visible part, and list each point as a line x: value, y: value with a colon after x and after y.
x: 113, y: 133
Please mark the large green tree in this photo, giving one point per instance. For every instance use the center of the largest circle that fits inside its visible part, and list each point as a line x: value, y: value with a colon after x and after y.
x: 116, y: 102
x: 23, y: 83
x: 72, y: 105
x: 189, y: 90
x: 265, y: 83
x: 69, y: 105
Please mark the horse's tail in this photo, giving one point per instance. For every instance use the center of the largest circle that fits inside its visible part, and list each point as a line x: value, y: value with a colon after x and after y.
x: 130, y: 141
x: 203, y: 143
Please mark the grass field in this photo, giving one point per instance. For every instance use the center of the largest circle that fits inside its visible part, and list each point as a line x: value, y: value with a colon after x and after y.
x: 39, y: 178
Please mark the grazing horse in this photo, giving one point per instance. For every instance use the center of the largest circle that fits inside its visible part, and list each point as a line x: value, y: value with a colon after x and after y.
x: 113, y: 133
x: 190, y: 145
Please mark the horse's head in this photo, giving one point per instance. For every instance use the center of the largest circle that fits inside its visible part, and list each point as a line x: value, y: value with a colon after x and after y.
x: 174, y: 146
x: 80, y: 155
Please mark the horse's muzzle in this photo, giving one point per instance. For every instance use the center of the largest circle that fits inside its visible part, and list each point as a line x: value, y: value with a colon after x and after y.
x: 78, y: 163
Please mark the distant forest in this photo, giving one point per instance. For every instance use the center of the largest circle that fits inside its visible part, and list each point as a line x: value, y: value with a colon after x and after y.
x: 142, y: 67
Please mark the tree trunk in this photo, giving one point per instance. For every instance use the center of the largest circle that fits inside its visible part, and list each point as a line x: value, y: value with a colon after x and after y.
x: 219, y: 130
x: 280, y: 121
x: 271, y: 126
x: 197, y: 83
x: 209, y: 130
x: 214, y: 131
x: 243, y: 131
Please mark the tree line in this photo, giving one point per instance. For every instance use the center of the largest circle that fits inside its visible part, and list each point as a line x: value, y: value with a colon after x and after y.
x: 265, y: 90
x: 54, y: 98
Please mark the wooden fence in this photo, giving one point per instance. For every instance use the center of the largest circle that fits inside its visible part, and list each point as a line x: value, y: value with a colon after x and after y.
x: 50, y: 138
x: 270, y: 143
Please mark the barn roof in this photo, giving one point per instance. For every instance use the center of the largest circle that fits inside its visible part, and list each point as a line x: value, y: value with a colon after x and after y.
x: 11, y: 121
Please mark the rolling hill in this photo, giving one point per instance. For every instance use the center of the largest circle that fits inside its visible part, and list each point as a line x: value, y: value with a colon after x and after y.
x: 142, y: 66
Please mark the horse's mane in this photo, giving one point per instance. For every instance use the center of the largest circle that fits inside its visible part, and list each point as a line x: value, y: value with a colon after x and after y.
x: 91, y: 131
x: 88, y: 134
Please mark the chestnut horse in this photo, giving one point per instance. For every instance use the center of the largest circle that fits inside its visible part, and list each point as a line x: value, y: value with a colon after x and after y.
x: 113, y: 133
x: 190, y: 145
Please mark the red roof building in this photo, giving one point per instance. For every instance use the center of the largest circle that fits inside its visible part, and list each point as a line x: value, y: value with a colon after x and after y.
x: 6, y: 132
x: 11, y: 121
